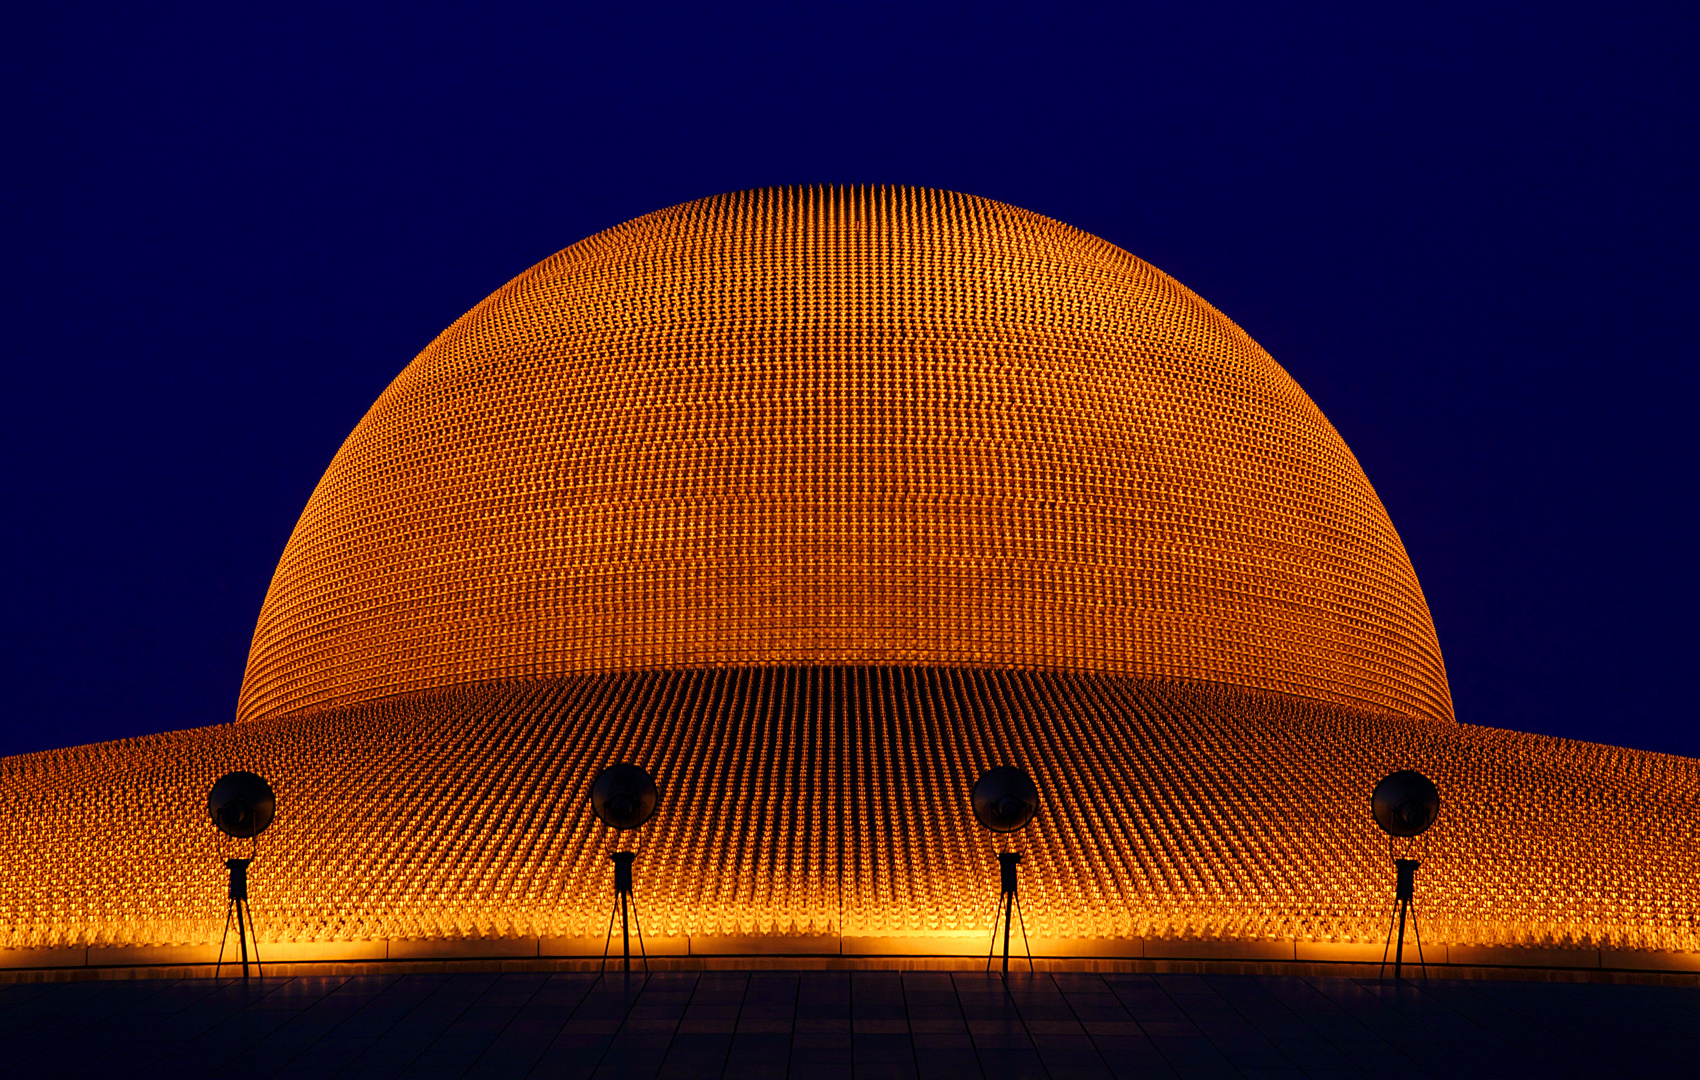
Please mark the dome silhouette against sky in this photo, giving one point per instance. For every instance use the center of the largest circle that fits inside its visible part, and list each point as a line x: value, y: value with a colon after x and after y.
x: 810, y: 426
x: 816, y: 503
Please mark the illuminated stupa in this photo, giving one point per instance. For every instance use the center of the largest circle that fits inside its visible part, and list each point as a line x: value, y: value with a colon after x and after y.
x: 816, y: 502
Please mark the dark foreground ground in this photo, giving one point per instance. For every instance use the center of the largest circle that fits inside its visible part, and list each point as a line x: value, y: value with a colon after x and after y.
x: 820, y: 1024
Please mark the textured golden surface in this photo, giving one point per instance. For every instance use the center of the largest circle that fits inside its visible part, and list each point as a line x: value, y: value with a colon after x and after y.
x: 844, y: 426
x: 834, y: 801
x: 817, y: 502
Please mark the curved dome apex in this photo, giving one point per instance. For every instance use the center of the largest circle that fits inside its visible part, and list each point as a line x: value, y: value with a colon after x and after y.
x: 844, y: 426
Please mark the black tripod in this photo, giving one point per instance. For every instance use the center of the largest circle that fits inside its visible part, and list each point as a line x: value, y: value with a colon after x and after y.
x: 1008, y: 904
x: 623, y: 900
x: 1404, y: 894
x: 239, y: 908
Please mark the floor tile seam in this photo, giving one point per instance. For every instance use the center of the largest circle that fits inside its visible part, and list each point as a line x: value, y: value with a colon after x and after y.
x: 1090, y: 1041
x: 1145, y: 1032
x: 442, y: 1026
x: 1204, y: 1030
x: 973, y: 1045
x: 388, y: 981
x: 1339, y: 1010
x: 473, y: 1064
x: 122, y: 1048
x: 165, y: 1018
x: 908, y: 1026
x: 743, y: 1002
x: 625, y: 1018
x: 1562, y: 1035
x: 1401, y: 1029
x: 82, y: 1021
x: 726, y: 1059
x: 15, y: 994
x: 250, y: 1045
x: 797, y: 1003
x: 1495, y: 1033
x: 1677, y: 1011
x: 380, y: 1036
x: 1211, y: 981
x: 304, y: 1044
x: 1025, y: 1030
x: 1448, y: 1045
x: 233, y: 1050
x: 25, y: 1017
x: 1346, y: 1049
x: 48, y: 1048
x: 65, y: 1002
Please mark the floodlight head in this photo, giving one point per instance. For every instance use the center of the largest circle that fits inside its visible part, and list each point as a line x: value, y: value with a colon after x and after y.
x: 241, y: 804
x: 623, y: 796
x: 1004, y: 799
x: 1405, y: 803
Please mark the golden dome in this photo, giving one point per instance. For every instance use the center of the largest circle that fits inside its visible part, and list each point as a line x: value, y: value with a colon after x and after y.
x: 844, y: 426
x: 816, y: 503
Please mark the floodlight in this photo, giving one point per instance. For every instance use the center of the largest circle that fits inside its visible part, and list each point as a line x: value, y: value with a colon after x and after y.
x: 623, y: 797
x: 1405, y: 803
x: 241, y: 805
x: 1004, y: 799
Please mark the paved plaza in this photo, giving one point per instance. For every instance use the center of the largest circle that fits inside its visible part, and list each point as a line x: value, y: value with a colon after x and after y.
x: 820, y: 1025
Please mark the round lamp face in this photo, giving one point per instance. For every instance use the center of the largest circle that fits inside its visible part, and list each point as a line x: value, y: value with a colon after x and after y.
x: 1005, y: 799
x: 241, y: 804
x: 623, y: 796
x: 1405, y: 803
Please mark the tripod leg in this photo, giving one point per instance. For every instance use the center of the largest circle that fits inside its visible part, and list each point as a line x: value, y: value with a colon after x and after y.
x: 1418, y: 931
x: 1025, y: 944
x: 242, y: 937
x: 638, y: 922
x: 1399, y: 953
x: 625, y: 932
x: 225, y: 939
x: 608, y: 939
x: 1387, y: 942
x: 1008, y: 907
x: 254, y: 932
x: 991, y: 946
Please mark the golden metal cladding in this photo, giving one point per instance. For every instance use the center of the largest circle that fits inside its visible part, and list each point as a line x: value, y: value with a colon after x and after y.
x: 816, y: 502
x: 834, y: 801
x: 844, y: 426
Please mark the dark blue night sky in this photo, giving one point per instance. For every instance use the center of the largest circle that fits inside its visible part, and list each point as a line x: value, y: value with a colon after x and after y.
x: 1469, y: 234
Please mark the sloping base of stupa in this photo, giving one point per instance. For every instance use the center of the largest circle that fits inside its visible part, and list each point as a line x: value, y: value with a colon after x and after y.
x: 824, y: 810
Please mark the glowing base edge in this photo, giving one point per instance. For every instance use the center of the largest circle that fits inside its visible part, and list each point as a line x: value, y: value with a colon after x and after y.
x: 816, y: 949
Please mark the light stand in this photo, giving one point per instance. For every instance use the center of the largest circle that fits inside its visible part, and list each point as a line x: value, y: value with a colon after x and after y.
x: 1404, y: 895
x: 1008, y: 903
x: 1004, y: 800
x: 239, y: 907
x: 622, y: 900
x: 241, y: 806
x: 624, y: 797
x: 1404, y: 804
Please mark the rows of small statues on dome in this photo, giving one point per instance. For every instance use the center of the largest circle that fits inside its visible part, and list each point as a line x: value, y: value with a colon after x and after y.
x: 817, y: 803
x: 844, y: 425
